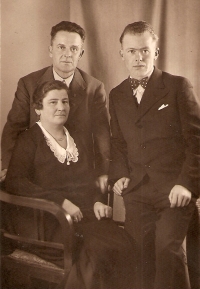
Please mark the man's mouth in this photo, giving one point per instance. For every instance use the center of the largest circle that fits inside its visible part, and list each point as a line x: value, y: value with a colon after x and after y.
x: 66, y: 62
x: 138, y: 66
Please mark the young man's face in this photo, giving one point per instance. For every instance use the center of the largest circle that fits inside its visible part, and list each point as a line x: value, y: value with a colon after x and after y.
x: 66, y: 50
x: 138, y: 53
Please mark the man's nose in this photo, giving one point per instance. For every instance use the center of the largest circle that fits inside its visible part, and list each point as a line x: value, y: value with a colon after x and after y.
x: 67, y: 52
x: 138, y: 56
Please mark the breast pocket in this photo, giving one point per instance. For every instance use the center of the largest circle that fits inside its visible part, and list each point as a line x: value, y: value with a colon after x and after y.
x: 163, y: 121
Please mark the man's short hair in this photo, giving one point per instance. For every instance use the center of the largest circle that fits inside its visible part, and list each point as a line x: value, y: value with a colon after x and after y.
x: 67, y: 26
x: 138, y: 28
x: 41, y: 91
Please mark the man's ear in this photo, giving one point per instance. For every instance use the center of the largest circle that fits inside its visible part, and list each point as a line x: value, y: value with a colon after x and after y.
x: 121, y: 54
x: 37, y: 111
x: 157, y: 52
x: 81, y: 54
x: 50, y: 50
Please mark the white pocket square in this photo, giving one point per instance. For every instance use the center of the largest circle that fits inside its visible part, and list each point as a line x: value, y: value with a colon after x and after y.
x: 163, y: 106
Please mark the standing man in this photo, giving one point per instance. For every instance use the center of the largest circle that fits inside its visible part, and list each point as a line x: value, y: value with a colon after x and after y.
x: 155, y: 126
x: 88, y: 114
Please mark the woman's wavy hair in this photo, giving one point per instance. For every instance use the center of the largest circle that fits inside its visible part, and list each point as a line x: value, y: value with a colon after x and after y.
x: 41, y: 91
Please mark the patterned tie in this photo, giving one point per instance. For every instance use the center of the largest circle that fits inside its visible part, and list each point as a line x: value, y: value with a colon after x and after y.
x: 135, y: 83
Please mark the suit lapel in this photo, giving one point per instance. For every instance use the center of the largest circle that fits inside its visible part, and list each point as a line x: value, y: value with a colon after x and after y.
x: 154, y: 91
x: 126, y: 102
x: 47, y: 76
x: 76, y: 92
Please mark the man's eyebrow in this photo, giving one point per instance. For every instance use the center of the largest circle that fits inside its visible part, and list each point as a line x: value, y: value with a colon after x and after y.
x: 142, y: 48
x: 75, y: 45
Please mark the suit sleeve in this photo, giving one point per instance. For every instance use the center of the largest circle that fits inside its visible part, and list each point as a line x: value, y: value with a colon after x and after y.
x: 101, y: 131
x: 20, y: 175
x: 189, y: 111
x: 119, y: 162
x: 17, y: 121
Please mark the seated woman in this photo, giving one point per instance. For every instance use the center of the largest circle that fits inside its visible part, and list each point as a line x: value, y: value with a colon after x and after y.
x: 48, y: 163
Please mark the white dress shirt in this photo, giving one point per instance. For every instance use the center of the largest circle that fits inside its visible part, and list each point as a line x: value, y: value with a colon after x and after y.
x: 66, y: 80
x: 139, y: 91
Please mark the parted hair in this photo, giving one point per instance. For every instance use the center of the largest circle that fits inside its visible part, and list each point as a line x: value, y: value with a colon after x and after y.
x: 41, y: 91
x: 67, y: 26
x: 138, y: 28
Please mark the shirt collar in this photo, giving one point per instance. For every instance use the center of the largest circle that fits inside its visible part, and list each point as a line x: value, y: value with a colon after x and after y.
x: 58, y: 77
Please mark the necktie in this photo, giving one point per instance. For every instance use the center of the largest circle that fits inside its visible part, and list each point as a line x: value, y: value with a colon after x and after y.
x: 65, y: 82
x: 135, y: 83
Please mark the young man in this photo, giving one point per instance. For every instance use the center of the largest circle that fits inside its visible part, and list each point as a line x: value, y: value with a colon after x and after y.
x: 155, y: 126
x: 88, y: 114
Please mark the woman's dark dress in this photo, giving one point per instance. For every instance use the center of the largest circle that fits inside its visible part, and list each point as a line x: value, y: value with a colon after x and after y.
x: 103, y: 254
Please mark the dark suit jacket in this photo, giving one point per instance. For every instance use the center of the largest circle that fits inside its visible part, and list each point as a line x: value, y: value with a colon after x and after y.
x: 88, y: 117
x: 160, y: 138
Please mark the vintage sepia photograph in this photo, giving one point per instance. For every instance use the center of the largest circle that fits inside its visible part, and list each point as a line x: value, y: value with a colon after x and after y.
x: 100, y: 144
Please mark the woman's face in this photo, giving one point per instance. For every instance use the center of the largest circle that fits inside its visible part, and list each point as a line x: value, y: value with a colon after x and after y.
x: 55, y: 109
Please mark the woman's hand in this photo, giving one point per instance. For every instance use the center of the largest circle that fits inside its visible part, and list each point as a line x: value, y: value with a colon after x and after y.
x: 102, y: 211
x: 102, y: 183
x: 73, y: 210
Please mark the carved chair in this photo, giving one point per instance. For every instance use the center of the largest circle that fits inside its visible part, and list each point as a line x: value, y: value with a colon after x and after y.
x: 21, y: 260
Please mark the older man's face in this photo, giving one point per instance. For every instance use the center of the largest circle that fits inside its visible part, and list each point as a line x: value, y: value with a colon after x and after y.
x: 66, y: 50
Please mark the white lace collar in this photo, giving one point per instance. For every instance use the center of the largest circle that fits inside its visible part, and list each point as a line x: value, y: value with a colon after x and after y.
x: 70, y: 153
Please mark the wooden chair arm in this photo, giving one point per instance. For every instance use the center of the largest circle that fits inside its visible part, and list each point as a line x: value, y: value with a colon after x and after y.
x: 60, y: 214
x: 35, y: 203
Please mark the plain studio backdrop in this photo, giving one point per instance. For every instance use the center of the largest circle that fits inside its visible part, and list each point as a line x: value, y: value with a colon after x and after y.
x: 26, y: 26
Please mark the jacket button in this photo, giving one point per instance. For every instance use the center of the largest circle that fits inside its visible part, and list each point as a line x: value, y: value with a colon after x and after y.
x: 147, y: 166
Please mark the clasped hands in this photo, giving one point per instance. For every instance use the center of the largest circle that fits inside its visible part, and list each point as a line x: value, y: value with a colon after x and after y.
x: 100, y: 210
x: 179, y: 196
